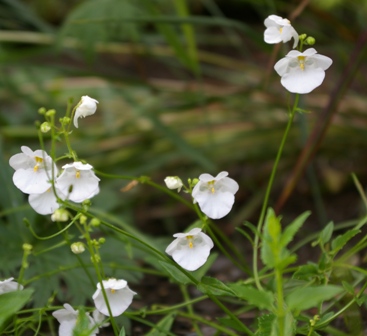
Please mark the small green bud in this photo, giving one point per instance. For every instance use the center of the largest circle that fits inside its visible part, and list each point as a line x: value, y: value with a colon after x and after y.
x: 83, y: 219
x: 41, y: 110
x: 60, y: 215
x: 101, y: 240
x: 27, y: 247
x: 77, y: 247
x: 302, y: 37
x: 194, y: 182
x: 95, y: 222
x: 310, y: 40
x: 45, y: 127
x: 65, y: 121
x: 50, y: 113
x: 95, y: 259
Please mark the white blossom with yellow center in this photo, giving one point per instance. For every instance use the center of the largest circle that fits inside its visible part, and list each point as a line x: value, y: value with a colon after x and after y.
x: 78, y: 182
x: 119, y: 296
x: 33, y: 170
x: 279, y: 30
x: 215, y: 195
x: 302, y: 72
x: 190, y: 250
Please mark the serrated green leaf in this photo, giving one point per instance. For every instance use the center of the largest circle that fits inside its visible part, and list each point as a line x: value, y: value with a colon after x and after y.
x: 308, y: 297
x: 214, y: 286
x: 293, y: 228
x: 163, y: 326
x: 175, y: 273
x: 348, y: 287
x: 338, y: 243
x: 265, y: 324
x: 11, y: 302
x: 259, y: 298
x: 326, y: 233
x: 306, y: 272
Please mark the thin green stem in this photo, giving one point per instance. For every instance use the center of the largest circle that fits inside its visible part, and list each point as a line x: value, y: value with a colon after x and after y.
x: 190, y: 310
x: 279, y: 281
x: 268, y: 189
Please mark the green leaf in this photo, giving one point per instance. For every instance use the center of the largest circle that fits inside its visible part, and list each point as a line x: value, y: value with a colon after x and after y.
x: 348, y: 287
x: 11, y: 302
x: 338, y: 243
x: 306, y: 272
x: 326, y: 233
x: 175, y: 273
x: 213, y: 286
x: 265, y: 324
x: 228, y: 322
x: 293, y: 228
x: 122, y: 332
x: 259, y: 298
x: 163, y: 326
x: 308, y: 297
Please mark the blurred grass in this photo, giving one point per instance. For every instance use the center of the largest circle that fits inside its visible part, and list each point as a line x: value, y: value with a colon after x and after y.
x: 182, y: 91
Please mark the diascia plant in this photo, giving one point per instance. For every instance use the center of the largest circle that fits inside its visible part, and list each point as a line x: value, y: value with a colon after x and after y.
x: 284, y: 298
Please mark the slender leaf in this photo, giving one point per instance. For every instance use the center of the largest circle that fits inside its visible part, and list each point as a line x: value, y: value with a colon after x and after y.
x: 175, y: 273
x: 213, y: 286
x: 338, y: 243
x: 163, y: 326
x: 259, y: 298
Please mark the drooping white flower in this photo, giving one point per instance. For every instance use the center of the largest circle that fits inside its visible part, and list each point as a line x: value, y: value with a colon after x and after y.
x: 302, y: 72
x: 190, y: 250
x: 279, y: 30
x: 46, y: 202
x: 215, y: 195
x: 173, y: 182
x: 68, y: 318
x: 78, y: 182
x: 87, y: 106
x: 9, y: 285
x: 33, y: 170
x: 119, y: 297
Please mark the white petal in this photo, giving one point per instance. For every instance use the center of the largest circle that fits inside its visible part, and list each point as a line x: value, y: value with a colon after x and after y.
x: 322, y: 61
x: 281, y: 66
x: 302, y: 82
x: 206, y: 177
x: 227, y: 184
x: 192, y: 258
x: 221, y: 175
x: 45, y: 203
x: 30, y: 181
x: 216, y: 205
x: 309, y: 52
x: 272, y: 35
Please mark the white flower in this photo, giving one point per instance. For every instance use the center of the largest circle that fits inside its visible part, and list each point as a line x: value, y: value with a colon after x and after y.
x: 302, y: 72
x: 33, y: 170
x: 215, y: 195
x: 190, y: 250
x: 77, y: 248
x: 60, y: 215
x: 45, y: 203
x: 9, y: 285
x: 119, y: 297
x: 87, y: 106
x: 78, y: 182
x: 68, y: 317
x: 279, y: 30
x: 99, y: 318
x: 173, y: 182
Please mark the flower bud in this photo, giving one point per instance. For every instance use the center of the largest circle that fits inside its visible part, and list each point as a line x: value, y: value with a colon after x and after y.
x: 173, y: 182
x: 50, y: 113
x: 77, y: 247
x: 310, y: 40
x: 101, y: 240
x: 60, y: 215
x: 27, y: 247
x: 83, y: 219
x: 302, y: 37
x: 41, y: 110
x: 95, y: 222
x: 45, y: 127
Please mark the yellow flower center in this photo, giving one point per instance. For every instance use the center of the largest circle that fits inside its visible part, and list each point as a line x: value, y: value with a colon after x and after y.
x: 77, y: 174
x: 211, y: 186
x: 301, y: 62
x: 189, y: 238
x: 113, y: 290
x: 38, y: 161
x: 280, y: 29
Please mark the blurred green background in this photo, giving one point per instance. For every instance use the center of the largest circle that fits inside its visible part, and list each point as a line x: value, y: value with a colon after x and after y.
x: 184, y: 87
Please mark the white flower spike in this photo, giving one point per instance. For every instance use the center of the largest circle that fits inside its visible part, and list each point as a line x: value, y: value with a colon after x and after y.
x: 119, y: 297
x: 173, y: 182
x: 279, y: 30
x: 87, y: 106
x: 190, y: 250
x: 302, y: 72
x: 9, y: 285
x: 33, y: 170
x: 78, y: 182
x: 68, y: 317
x: 215, y: 195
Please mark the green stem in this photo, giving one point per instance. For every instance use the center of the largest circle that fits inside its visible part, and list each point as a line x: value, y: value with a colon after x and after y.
x: 279, y: 281
x: 268, y: 189
x: 190, y: 310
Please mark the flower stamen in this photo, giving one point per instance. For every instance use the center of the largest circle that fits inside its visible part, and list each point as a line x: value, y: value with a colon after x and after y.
x: 301, y: 62
x: 189, y: 238
x: 38, y: 160
x: 77, y: 174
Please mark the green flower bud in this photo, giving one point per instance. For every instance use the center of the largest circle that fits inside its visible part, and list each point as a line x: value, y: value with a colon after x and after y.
x: 41, y: 110
x: 101, y: 240
x: 95, y: 222
x: 310, y: 40
x: 27, y: 247
x: 302, y: 37
x: 83, y: 219
x: 45, y: 127
x: 50, y: 113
